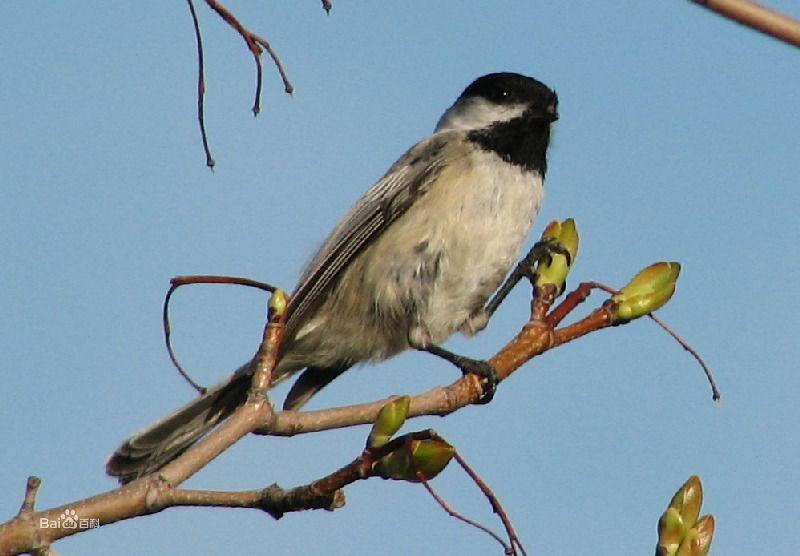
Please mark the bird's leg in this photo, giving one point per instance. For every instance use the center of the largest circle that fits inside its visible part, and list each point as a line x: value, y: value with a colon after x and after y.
x: 541, y: 252
x: 467, y: 365
x: 419, y: 339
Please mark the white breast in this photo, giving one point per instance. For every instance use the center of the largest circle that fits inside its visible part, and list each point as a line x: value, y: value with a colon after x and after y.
x: 450, y: 251
x: 436, y: 264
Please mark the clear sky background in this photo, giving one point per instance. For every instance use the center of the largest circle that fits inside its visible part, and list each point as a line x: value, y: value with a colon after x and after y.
x: 678, y: 140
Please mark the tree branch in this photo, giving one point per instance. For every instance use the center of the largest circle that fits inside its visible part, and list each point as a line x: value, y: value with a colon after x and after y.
x: 155, y: 492
x: 254, y: 44
x: 201, y: 86
x: 758, y: 17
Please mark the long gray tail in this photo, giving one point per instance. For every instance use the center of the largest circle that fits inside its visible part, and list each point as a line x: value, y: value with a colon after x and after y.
x: 156, y: 445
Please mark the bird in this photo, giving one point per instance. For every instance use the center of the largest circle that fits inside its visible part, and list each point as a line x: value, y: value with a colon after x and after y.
x: 415, y: 260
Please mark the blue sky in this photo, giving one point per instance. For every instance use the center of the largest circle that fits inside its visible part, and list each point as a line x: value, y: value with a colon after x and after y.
x: 678, y: 140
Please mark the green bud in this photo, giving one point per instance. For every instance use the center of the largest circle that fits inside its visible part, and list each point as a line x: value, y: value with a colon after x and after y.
x: 688, y: 500
x: 671, y: 530
x: 566, y: 235
x: 277, y: 302
x: 652, y: 279
x: 431, y: 456
x: 428, y: 457
x: 395, y: 465
x: 680, y: 532
x: 648, y: 291
x: 705, y: 534
x: 390, y: 418
x: 687, y: 547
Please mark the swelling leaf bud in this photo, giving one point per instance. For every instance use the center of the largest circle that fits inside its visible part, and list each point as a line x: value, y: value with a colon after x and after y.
x: 428, y: 457
x: 555, y: 273
x: 390, y: 418
x: 431, y: 456
x: 648, y: 291
x: 705, y: 533
x: 671, y: 530
x: 680, y: 532
x: 688, y: 500
x: 277, y: 302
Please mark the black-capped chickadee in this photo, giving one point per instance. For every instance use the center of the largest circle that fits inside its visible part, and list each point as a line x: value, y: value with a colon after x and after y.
x: 414, y: 260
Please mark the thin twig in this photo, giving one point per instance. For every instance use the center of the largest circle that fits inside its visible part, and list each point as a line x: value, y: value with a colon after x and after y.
x: 179, y: 281
x: 31, y: 489
x: 266, y: 358
x: 254, y: 43
x: 715, y: 394
x: 758, y: 17
x: 243, y: 421
x: 453, y: 513
x: 213, y: 279
x: 571, y: 301
x: 201, y: 86
x: 287, y: 86
x: 168, y: 340
x: 496, y: 506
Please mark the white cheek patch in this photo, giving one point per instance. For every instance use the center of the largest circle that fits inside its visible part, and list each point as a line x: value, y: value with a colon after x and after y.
x: 476, y: 113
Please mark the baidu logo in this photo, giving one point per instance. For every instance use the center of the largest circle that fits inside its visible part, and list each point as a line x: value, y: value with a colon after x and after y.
x: 69, y: 519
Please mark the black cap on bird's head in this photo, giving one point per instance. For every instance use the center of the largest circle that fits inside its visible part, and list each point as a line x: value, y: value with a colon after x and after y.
x: 508, y: 114
x: 500, y: 97
x: 514, y: 89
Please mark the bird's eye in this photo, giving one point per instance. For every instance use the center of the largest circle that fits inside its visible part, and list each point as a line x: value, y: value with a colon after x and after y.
x: 502, y: 95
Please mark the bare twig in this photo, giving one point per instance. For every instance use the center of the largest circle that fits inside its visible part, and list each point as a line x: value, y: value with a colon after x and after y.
x: 267, y: 358
x: 273, y: 500
x: 255, y: 44
x: 493, y: 500
x: 287, y: 86
x: 31, y: 489
x: 453, y: 513
x: 324, y: 493
x: 758, y: 17
x: 211, y: 279
x: 179, y: 281
x: 715, y: 394
x: 582, y: 292
x: 572, y: 300
x: 201, y: 88
x: 254, y: 412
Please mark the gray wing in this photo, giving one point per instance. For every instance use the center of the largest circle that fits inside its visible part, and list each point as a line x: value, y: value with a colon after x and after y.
x: 408, y: 179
